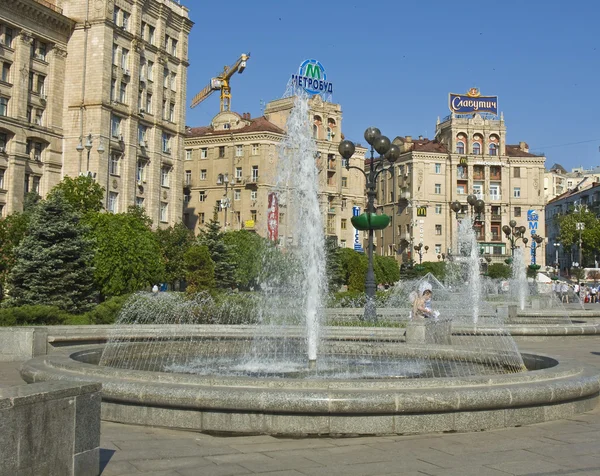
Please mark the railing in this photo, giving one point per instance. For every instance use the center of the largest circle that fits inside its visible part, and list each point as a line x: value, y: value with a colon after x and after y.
x: 49, y: 5
x: 495, y: 176
x: 495, y: 198
x: 496, y: 217
x: 479, y: 176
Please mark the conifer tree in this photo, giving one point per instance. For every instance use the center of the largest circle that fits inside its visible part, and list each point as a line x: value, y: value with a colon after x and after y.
x: 54, y: 261
x: 220, y: 252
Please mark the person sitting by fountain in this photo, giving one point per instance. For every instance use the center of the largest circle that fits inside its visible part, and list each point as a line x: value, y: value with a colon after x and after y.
x: 422, y: 303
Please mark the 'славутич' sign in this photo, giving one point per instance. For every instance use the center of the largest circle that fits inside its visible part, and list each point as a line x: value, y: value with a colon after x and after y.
x: 473, y: 102
x: 312, y: 78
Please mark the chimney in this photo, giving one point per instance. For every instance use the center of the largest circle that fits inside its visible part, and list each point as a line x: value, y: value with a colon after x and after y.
x: 420, y: 137
x: 523, y: 147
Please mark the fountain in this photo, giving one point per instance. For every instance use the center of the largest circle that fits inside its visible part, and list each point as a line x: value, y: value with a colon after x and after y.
x: 519, y: 284
x: 468, y: 248
x: 178, y: 363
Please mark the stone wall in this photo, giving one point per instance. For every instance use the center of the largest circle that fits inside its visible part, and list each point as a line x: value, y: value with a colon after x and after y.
x: 22, y: 343
x: 50, y: 428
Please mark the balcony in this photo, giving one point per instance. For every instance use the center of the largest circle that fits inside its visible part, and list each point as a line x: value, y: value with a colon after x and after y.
x: 495, y: 197
x: 478, y: 176
x: 496, y: 176
x: 496, y: 217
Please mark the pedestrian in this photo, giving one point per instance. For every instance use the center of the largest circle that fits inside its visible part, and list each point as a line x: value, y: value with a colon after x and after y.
x: 422, y: 303
x: 155, y: 289
x: 564, y: 292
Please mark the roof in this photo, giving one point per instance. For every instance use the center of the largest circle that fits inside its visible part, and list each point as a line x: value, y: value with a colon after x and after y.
x: 516, y: 151
x: 575, y: 191
x: 422, y: 144
x: 259, y: 124
x: 558, y: 169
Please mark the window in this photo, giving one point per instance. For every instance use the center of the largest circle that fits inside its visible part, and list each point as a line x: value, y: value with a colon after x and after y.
x: 173, y: 81
x: 113, y: 198
x: 122, y: 92
x: 254, y: 173
x: 172, y: 112
x: 188, y: 177
x: 150, y: 70
x: 3, y: 139
x: 113, y: 164
x: 222, y: 151
x: 164, y: 176
x: 26, y: 187
x: 462, y: 172
x: 165, y: 77
x: 438, y: 168
x: 166, y: 45
x: 344, y: 224
x: 116, y: 13
x: 517, y: 211
x: 494, y: 192
x: 125, y: 23
x: 460, y: 189
x: 438, y: 209
x: 166, y: 143
x: 151, y: 34
x: 201, y: 218
x: 478, y: 190
x: 38, y: 117
x: 115, y: 127
x: 29, y: 114
x: 226, y: 126
x: 493, y: 149
x: 239, y: 150
x: 238, y: 173
x: 1, y: 179
x: 438, y: 188
x: 164, y: 211
x: 34, y: 150
x: 142, y: 130
x: 253, y: 215
x: 517, y: 192
x: 460, y: 147
x: 237, y: 194
x: 139, y: 202
x: 140, y: 171
x: 495, y: 230
x: 7, y: 37
x: 343, y: 244
x: 204, y: 153
x: 164, y: 110
x: 188, y: 154
x: 517, y: 172
x: 3, y: 106
x: 253, y: 195
x: 476, y: 148
x: 173, y: 47
x: 115, y: 54
x: 38, y: 50
x: 187, y: 198
x: 6, y: 72
x: 124, y: 59
x: 203, y: 174
x: 255, y: 149
x: 202, y: 196
x: 344, y: 181
x: 438, y: 248
x: 438, y: 229
x: 148, y: 103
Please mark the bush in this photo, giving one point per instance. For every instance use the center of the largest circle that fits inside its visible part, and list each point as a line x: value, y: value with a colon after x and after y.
x: 106, y: 312
x: 355, y: 299
x: 32, y: 315
x: 499, y: 271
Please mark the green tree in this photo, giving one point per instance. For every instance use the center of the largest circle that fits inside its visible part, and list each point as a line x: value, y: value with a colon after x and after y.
x: 53, y: 262
x: 174, y: 241
x: 13, y: 229
x: 569, y: 234
x: 212, y: 237
x: 499, y: 271
x: 128, y: 255
x: 335, y: 269
x: 355, y: 267
x: 247, y: 251
x: 387, y: 270
x: 83, y: 193
x: 199, y: 269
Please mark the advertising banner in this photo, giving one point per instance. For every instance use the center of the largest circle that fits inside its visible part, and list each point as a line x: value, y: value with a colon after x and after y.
x: 273, y: 217
x: 473, y: 102
x: 357, y: 245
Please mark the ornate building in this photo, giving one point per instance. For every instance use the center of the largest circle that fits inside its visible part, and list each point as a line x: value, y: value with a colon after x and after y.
x: 94, y: 88
x: 231, y: 165
x: 469, y: 155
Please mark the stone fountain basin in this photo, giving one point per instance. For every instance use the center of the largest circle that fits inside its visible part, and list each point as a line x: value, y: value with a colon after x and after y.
x: 549, y: 390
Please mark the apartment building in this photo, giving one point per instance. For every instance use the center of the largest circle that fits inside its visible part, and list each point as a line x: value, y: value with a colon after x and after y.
x: 468, y: 155
x: 104, y: 96
x: 231, y: 165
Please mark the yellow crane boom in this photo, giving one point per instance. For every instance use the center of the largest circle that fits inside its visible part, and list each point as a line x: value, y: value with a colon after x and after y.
x: 221, y: 82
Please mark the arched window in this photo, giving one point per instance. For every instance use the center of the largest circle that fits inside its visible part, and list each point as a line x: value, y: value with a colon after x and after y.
x: 329, y: 133
x: 493, y: 149
x: 460, y: 147
x: 476, y: 148
x: 315, y: 131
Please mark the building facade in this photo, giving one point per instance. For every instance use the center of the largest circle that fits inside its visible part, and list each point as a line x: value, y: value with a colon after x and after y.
x: 469, y: 155
x: 231, y: 165
x: 99, y: 88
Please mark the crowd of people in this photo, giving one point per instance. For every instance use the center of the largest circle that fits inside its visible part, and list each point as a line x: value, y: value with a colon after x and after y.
x: 587, y: 293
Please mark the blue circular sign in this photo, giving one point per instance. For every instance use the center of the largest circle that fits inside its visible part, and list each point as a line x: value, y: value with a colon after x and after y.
x: 314, y: 71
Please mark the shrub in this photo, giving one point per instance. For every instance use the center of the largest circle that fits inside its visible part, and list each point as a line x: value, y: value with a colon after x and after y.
x: 32, y: 315
x: 499, y: 271
x: 106, y: 312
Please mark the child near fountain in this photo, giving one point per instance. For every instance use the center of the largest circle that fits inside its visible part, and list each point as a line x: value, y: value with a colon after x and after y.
x: 421, y: 302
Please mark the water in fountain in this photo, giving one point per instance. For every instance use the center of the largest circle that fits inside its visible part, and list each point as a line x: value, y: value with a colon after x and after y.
x: 469, y: 251
x: 519, y: 286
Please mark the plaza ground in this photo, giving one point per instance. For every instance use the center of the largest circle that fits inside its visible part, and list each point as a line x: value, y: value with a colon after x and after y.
x: 560, y: 448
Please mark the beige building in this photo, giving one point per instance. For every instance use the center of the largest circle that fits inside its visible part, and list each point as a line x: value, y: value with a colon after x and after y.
x: 469, y: 155
x: 94, y: 88
x: 231, y: 165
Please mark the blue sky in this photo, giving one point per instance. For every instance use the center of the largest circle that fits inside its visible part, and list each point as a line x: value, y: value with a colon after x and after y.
x: 393, y: 63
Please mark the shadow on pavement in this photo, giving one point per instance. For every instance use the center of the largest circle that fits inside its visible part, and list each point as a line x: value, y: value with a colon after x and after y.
x: 105, y: 456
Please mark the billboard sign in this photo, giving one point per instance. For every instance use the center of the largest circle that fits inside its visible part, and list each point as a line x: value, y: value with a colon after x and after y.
x: 532, y: 222
x: 472, y: 102
x: 273, y: 217
x: 312, y: 78
x: 357, y: 245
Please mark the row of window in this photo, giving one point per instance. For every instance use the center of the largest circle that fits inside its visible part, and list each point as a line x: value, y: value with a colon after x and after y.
x: 38, y: 48
x: 31, y: 184
x: 239, y: 151
x: 116, y: 133
x: 494, y: 190
x: 476, y: 148
x: 120, y: 57
x: 144, y: 102
x: 113, y: 205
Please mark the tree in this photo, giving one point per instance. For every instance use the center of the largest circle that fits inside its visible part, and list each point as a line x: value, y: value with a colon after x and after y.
x: 355, y: 266
x: 13, y: 229
x: 335, y: 270
x: 220, y: 253
x: 128, y: 254
x: 387, y: 270
x: 199, y: 269
x: 247, y: 252
x: 53, y: 262
x: 569, y: 234
x: 83, y: 193
x: 174, y: 242
x: 499, y: 271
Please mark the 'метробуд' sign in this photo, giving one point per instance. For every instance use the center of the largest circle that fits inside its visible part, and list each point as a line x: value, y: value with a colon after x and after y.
x: 312, y: 78
x: 473, y: 102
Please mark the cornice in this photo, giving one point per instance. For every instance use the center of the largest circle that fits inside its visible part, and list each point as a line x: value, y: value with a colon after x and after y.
x: 233, y: 138
x: 31, y: 10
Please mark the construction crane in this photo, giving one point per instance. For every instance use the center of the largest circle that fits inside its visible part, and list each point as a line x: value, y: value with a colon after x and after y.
x: 222, y: 82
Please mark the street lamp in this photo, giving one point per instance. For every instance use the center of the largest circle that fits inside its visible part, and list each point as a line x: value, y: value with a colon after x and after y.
x: 556, y: 247
x: 537, y: 240
x: 514, y: 233
x: 225, y: 202
x: 88, y: 146
x: 388, y: 154
x: 419, y: 249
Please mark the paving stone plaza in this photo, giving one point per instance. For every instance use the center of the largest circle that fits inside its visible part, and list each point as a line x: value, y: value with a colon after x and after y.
x: 563, y: 447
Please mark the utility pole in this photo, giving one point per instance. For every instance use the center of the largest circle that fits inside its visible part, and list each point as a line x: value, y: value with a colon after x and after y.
x: 580, y: 226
